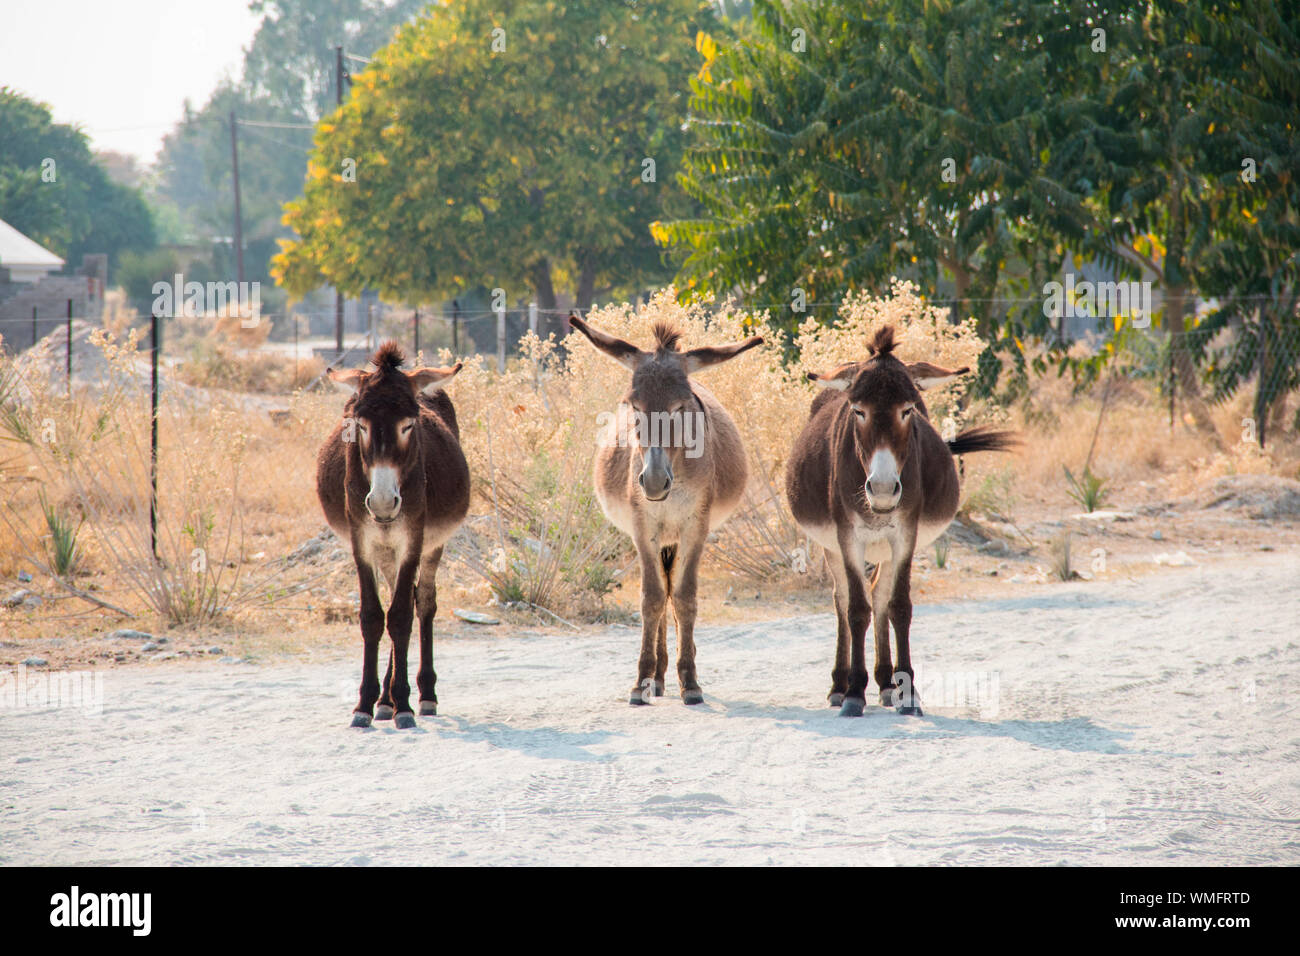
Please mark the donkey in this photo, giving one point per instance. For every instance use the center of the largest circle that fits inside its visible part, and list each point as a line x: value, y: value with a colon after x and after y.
x: 393, y: 480
x: 670, y: 469
x: 871, y: 480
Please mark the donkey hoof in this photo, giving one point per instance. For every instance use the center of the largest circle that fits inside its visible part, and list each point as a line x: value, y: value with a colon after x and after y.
x: 639, y: 697
x: 383, y: 712
x: 360, y: 719
x: 659, y: 688
x: 835, y: 698
x: 852, y: 707
x: 692, y: 695
x: 404, y: 721
x: 428, y: 708
x: 910, y: 710
x: 887, y: 697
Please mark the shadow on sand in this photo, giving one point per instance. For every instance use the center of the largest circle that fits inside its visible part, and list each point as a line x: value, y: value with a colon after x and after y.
x: 1075, y: 734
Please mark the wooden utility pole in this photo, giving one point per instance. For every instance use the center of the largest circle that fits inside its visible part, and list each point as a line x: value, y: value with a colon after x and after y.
x: 340, y: 75
x: 239, y: 224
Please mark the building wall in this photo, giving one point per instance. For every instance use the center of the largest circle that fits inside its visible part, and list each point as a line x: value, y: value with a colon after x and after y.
x: 50, y: 297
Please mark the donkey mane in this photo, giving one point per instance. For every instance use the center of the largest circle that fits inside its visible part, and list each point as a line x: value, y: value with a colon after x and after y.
x: 667, y: 336
x: 882, y: 343
x: 389, y: 357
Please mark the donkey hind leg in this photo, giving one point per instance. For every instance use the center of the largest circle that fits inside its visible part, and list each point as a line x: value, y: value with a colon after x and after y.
x: 881, y: 589
x: 840, y: 588
x: 384, y: 709
x: 667, y: 556
x: 426, y: 605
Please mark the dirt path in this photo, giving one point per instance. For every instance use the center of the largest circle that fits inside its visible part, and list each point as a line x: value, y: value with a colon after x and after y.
x: 1140, y: 722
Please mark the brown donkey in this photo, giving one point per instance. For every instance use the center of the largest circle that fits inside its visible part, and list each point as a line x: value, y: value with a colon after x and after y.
x: 871, y: 480
x: 392, y: 479
x: 670, y: 470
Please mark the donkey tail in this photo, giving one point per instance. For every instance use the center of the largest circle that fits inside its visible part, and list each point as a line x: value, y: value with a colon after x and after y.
x: 983, y: 438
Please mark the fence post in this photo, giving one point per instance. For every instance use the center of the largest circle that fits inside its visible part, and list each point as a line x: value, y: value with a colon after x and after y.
x: 69, y: 369
x: 501, y: 339
x: 35, y: 339
x: 1173, y: 379
x: 155, y: 329
x: 455, y: 327
x: 416, y: 319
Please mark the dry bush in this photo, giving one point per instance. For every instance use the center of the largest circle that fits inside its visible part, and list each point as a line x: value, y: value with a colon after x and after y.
x: 89, y: 455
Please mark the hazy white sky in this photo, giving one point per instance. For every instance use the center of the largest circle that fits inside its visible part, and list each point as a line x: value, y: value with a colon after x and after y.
x: 121, y: 69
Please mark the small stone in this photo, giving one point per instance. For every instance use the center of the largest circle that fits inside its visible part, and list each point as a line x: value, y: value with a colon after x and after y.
x: 151, y: 646
x: 17, y: 598
x: 126, y: 634
x: 36, y: 662
x: 1157, y: 536
x: 169, y: 656
x: 215, y: 650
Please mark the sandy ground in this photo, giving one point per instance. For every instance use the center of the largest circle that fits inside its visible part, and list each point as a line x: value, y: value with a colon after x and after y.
x: 1144, y: 721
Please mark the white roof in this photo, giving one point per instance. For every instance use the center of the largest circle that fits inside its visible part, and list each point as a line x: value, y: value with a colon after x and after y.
x: 17, y: 250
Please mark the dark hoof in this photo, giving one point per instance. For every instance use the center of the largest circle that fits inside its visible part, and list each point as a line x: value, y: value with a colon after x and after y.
x: 692, y: 696
x: 659, y: 688
x: 887, y: 697
x: 638, y: 699
x: 910, y: 710
x: 384, y: 712
x: 404, y: 721
x: 428, y: 708
x: 360, y: 720
x: 835, y: 698
x: 852, y: 707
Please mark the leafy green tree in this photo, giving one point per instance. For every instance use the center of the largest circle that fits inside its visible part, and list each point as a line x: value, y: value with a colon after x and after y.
x: 838, y: 144
x: 511, y: 144
x: 53, y: 189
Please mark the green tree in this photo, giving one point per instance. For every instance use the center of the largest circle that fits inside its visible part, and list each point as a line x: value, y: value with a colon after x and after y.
x: 53, y: 189
x: 505, y: 145
x: 839, y: 144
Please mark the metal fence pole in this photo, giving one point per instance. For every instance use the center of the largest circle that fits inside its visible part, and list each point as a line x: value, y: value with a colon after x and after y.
x: 155, y: 328
x: 416, y: 320
x: 69, y: 369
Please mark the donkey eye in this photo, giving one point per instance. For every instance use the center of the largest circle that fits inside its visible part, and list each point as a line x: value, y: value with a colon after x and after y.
x: 862, y: 416
x: 907, y: 411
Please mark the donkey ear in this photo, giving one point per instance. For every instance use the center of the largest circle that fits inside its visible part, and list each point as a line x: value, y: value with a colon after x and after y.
x: 430, y: 380
x: 839, y: 378
x: 926, y: 375
x: 625, y: 353
x: 347, y: 379
x: 696, y: 359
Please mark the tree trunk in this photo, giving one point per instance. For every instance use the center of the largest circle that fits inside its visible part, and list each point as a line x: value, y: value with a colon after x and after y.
x: 1175, y: 283
x: 586, y: 282
x: 548, y: 318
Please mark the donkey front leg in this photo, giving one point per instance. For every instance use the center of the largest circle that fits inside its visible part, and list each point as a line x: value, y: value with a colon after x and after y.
x: 685, y: 580
x: 840, y: 588
x: 906, y: 699
x: 654, y: 610
x: 426, y: 605
x: 858, y: 617
x: 881, y: 588
x: 400, y: 614
x: 372, y: 626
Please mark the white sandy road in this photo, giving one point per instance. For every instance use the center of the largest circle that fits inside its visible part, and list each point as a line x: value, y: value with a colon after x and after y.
x: 1140, y: 722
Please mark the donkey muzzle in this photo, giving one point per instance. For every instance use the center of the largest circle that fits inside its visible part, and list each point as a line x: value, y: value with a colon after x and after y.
x: 384, y: 501
x: 883, y: 487
x: 656, y: 476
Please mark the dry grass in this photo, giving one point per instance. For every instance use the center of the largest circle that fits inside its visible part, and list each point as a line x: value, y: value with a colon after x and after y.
x: 238, y: 482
